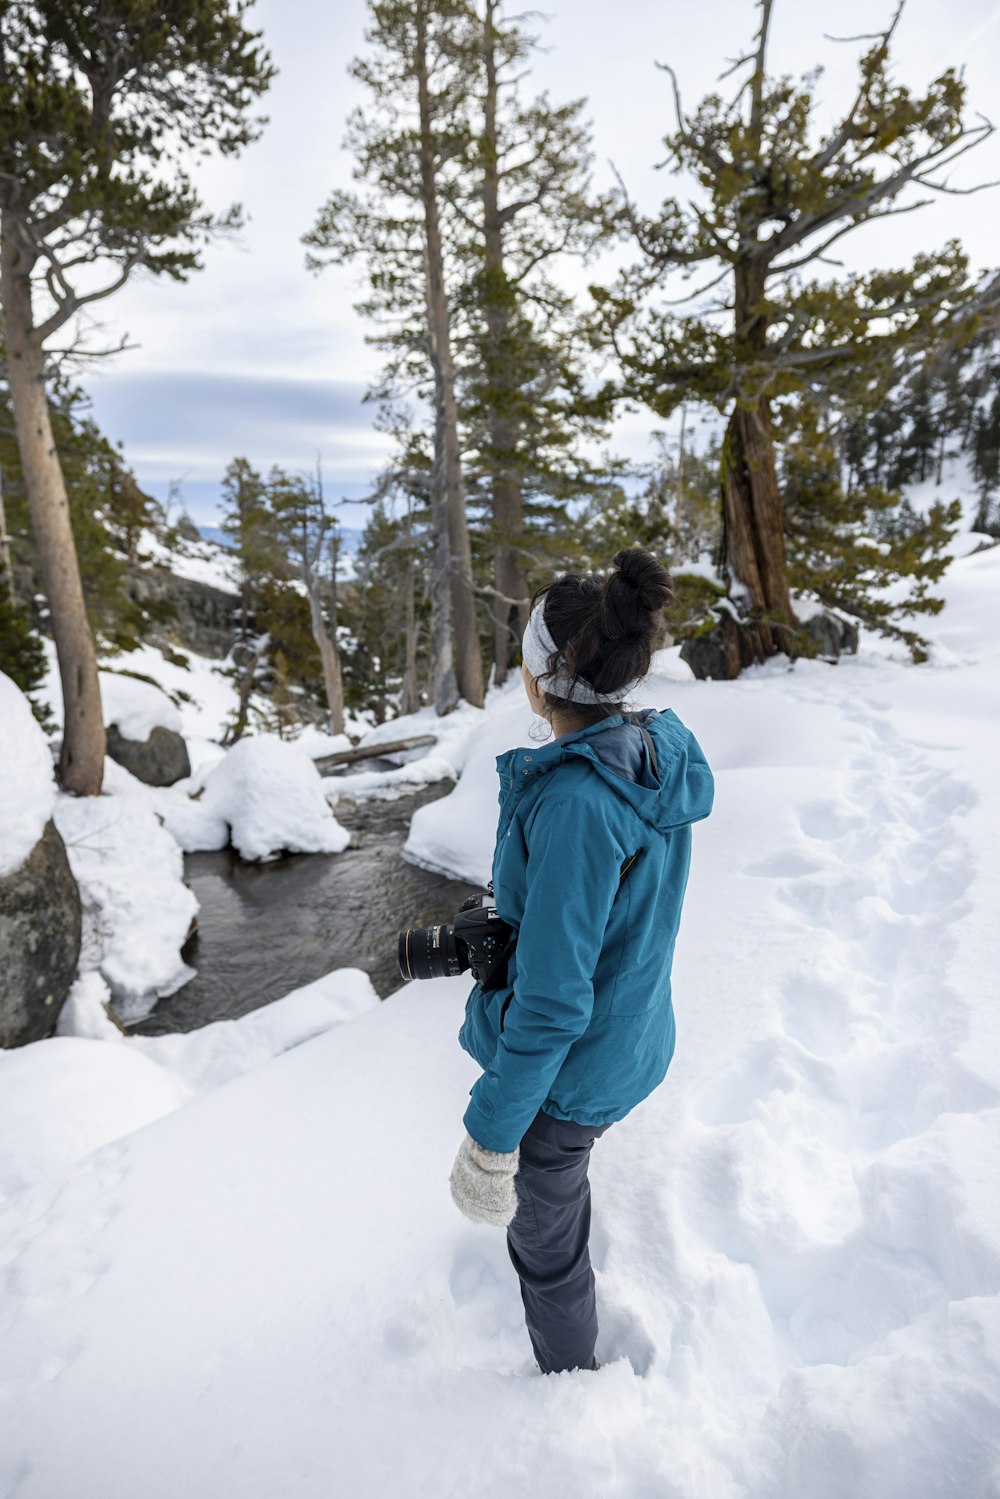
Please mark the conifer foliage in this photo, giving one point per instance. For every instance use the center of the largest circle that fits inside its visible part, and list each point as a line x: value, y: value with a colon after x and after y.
x: 774, y: 195
x: 470, y: 195
x: 101, y: 102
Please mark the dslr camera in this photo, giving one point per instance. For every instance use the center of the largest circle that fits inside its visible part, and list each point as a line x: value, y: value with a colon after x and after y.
x: 479, y: 939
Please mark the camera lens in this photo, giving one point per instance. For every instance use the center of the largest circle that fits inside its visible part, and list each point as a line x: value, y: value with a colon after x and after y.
x: 431, y: 952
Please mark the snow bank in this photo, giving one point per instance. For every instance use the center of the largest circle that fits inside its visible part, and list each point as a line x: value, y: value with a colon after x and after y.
x: 455, y: 835
x: 205, y: 696
x: 62, y: 1098
x: 136, y: 908
x: 27, y: 785
x: 455, y: 733
x: 270, y: 795
x: 216, y: 1053
x: 316, y: 742
x: 201, y: 561
x: 136, y: 707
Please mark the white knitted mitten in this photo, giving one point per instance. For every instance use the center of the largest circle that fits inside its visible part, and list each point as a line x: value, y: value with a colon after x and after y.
x: 482, y: 1183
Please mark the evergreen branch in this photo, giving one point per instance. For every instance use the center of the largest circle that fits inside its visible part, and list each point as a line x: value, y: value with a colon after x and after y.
x: 817, y: 254
x: 855, y: 204
x: 757, y: 107
x: 71, y: 301
x: 704, y: 152
x: 870, y: 36
x: 735, y: 63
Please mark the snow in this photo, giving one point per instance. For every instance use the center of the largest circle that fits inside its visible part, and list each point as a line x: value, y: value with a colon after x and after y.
x: 317, y: 743
x: 61, y: 1099
x: 387, y: 784
x: 270, y: 794
x: 136, y: 908
x: 796, y: 1238
x: 203, y: 697
x: 27, y: 784
x: 201, y: 561
x: 136, y: 707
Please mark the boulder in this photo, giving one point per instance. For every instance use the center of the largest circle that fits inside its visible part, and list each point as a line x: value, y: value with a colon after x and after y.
x: 40, y: 925
x: 719, y: 649
x: 184, y: 612
x: 833, y: 636
x: 715, y: 650
x: 159, y: 760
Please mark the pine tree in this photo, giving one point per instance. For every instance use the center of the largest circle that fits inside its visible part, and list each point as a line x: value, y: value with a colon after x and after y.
x: 772, y: 202
x: 392, y: 569
x: 409, y: 134
x: 526, y: 207
x: 107, y: 511
x: 306, y: 528
x: 97, y: 108
x: 986, y: 467
x: 846, y: 546
x: 248, y: 522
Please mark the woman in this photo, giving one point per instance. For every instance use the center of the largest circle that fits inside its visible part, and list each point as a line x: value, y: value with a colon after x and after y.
x: 590, y: 867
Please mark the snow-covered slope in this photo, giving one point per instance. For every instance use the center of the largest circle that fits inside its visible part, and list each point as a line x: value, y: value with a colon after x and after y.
x: 796, y: 1238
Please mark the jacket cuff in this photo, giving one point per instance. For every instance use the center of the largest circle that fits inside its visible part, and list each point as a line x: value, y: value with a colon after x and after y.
x: 486, y: 1132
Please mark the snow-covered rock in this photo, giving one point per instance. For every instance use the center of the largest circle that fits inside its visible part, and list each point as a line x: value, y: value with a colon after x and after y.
x: 136, y: 707
x: 269, y: 794
x: 137, y: 911
x: 39, y: 901
x: 27, y: 783
x: 40, y: 934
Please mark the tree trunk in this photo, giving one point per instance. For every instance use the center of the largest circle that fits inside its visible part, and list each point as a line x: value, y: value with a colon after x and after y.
x: 752, y: 512
x: 329, y: 656
x: 448, y: 484
x: 410, y: 697
x: 443, y: 684
x: 679, y: 509
x: 5, y: 561
x: 248, y: 672
x: 509, y: 620
x: 81, y: 764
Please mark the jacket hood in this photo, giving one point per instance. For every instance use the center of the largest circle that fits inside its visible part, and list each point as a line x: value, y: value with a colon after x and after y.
x: 677, y: 790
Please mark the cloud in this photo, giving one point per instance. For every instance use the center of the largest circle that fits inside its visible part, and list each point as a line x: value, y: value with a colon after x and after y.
x: 196, y: 414
x: 186, y: 426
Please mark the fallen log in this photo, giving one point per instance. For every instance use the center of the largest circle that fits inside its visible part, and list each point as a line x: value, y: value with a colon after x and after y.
x: 371, y: 751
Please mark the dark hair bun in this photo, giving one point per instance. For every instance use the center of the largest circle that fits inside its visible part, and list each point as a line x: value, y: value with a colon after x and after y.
x: 606, y: 626
x: 640, y: 586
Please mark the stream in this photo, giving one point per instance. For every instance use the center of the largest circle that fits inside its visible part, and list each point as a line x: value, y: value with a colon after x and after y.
x: 265, y: 929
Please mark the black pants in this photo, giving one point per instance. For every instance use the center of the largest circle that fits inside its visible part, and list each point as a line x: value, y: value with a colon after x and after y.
x: 548, y: 1238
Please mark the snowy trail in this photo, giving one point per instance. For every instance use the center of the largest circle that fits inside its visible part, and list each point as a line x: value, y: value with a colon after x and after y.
x: 796, y: 1238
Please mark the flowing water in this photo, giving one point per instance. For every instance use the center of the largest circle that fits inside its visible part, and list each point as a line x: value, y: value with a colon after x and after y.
x: 264, y: 929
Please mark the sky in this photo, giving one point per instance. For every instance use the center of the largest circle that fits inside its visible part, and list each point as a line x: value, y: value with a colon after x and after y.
x: 256, y: 356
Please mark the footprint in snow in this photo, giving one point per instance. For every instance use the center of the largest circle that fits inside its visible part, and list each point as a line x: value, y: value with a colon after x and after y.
x: 828, y: 820
x: 621, y: 1334
x: 816, y: 1012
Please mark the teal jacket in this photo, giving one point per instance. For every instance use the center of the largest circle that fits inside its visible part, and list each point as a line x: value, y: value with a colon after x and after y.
x: 590, y: 868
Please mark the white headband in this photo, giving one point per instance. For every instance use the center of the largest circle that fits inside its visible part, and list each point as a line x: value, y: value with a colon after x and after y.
x: 537, y: 646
